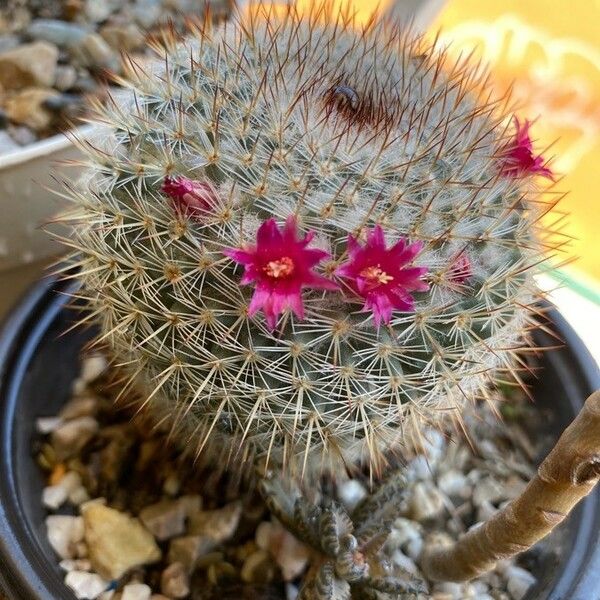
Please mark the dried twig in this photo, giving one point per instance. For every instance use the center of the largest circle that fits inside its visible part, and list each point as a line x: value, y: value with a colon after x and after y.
x: 568, y: 474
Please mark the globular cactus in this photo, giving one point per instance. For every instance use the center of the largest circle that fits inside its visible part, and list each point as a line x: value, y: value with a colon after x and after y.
x: 303, y: 239
x: 349, y: 561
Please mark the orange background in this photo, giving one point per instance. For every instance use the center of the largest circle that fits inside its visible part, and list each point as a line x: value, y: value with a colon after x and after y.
x: 550, y: 51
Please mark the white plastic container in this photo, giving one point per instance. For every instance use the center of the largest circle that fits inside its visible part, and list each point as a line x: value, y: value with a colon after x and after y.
x: 26, y: 177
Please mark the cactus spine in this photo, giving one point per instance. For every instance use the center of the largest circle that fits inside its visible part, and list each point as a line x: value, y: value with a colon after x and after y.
x: 371, y: 171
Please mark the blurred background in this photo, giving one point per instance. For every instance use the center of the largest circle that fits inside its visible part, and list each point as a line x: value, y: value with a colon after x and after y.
x: 547, y: 50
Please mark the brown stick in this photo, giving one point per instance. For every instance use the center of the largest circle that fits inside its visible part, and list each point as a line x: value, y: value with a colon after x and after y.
x: 568, y: 474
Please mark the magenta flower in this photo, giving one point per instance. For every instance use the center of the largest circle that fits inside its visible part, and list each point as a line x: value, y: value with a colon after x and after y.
x: 189, y: 196
x: 518, y: 155
x: 280, y: 265
x: 381, y: 276
x: 461, y: 269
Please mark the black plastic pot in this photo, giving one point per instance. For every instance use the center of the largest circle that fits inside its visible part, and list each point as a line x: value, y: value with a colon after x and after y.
x: 38, y: 364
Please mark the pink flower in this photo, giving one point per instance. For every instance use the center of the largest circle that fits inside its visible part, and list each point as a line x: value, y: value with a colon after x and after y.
x: 189, y: 196
x: 518, y: 155
x: 460, y: 270
x: 280, y: 265
x: 380, y: 274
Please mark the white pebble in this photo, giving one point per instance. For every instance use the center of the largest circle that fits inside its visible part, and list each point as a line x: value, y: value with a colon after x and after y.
x: 64, y: 532
x: 418, y: 468
x: 434, y: 445
x: 136, y: 591
x: 404, y: 531
x: 453, y: 483
x: 486, y: 510
x: 404, y: 562
x: 79, y: 496
x: 54, y: 496
x: 78, y: 386
x: 351, y: 492
x: 414, y: 548
x: 291, y: 591
x: 46, y: 425
x: 449, y: 590
x: 86, y: 586
x: 93, y: 367
x: 518, y: 581
x: 70, y: 481
x: 81, y: 564
x: 426, y: 502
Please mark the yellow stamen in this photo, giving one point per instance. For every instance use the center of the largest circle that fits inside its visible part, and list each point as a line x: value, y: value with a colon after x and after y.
x: 376, y: 276
x: 279, y: 268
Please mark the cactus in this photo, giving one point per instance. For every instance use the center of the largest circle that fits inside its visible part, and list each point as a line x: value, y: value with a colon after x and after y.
x: 302, y: 240
x: 349, y: 561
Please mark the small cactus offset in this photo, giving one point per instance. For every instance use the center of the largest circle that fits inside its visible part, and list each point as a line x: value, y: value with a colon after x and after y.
x: 348, y: 561
x: 303, y: 239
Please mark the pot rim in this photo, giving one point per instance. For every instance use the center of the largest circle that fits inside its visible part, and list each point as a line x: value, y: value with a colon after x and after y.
x: 44, y: 148
x: 26, y: 574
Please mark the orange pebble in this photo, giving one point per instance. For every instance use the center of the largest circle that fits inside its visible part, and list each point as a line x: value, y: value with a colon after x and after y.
x: 57, y: 473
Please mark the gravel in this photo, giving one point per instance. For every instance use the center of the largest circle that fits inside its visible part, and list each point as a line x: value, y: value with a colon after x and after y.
x: 146, y: 522
x: 53, y: 52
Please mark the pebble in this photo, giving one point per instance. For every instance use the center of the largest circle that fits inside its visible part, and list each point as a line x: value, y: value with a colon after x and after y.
x: 86, y: 406
x: 46, y: 425
x: 127, y: 37
x: 485, y: 510
x: 54, y: 496
x: 64, y: 532
x: 57, y: 32
x: 426, y: 502
x: 28, y: 107
x: 404, y: 562
x: 8, y: 41
x: 418, y: 468
x: 22, y: 135
x: 116, y: 542
x: 99, y: 10
x: 258, y: 568
x: 85, y: 585
x: 175, y: 581
x: 351, y: 492
x: 136, y: 591
x: 68, y: 45
x: 453, y: 591
x: 518, y: 581
x: 291, y: 591
x: 80, y: 564
x: 93, y: 367
x: 65, y: 77
x: 147, y: 12
x: 188, y: 549
x: 405, y: 530
x: 165, y: 520
x: 7, y: 144
x: 72, y: 436
x: 454, y: 483
x: 489, y: 490
x: 290, y: 554
x: 218, y: 525
x: 211, y: 554
x: 95, y: 53
x: 28, y: 65
x: 414, y: 548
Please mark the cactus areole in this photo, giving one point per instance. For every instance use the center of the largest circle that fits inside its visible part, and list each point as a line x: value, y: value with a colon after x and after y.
x: 303, y: 239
